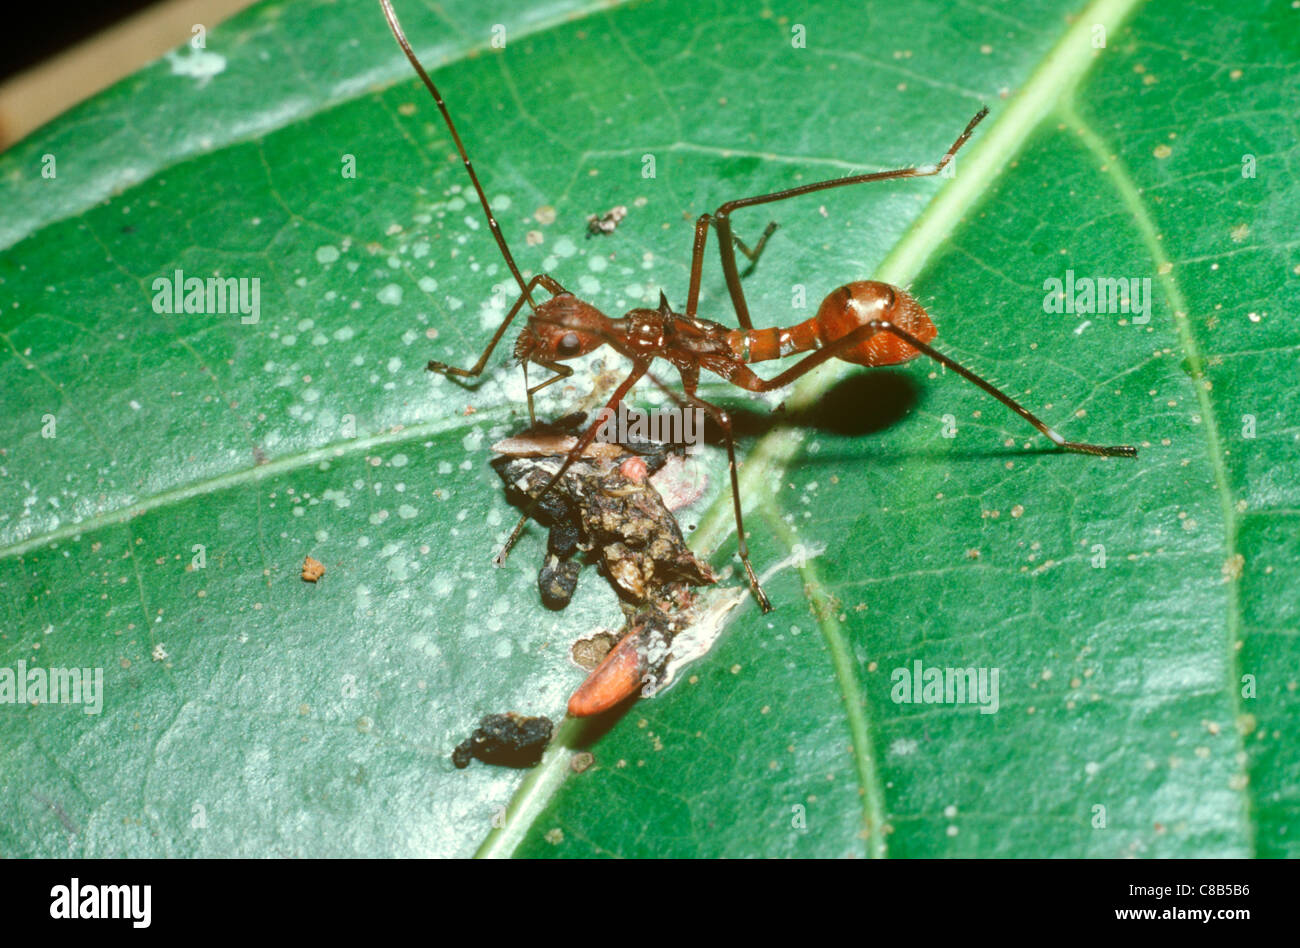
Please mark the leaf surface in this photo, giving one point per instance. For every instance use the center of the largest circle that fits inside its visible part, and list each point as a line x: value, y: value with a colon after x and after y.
x: 1143, y: 705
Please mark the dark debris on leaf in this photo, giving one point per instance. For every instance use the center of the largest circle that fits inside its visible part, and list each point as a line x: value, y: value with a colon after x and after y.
x: 505, y: 740
x: 604, y: 508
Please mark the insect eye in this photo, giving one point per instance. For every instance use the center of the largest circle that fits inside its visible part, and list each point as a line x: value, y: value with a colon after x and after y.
x: 569, y: 344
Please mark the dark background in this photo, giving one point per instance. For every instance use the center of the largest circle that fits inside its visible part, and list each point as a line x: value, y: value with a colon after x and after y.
x: 29, y: 37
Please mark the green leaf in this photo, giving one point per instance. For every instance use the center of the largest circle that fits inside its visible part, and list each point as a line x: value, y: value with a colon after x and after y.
x: 1144, y: 706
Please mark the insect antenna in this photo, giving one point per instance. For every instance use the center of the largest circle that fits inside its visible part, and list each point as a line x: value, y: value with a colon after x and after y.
x: 396, y: 27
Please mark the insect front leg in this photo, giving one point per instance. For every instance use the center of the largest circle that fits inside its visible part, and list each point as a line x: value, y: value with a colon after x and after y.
x: 552, y: 286
x: 639, y: 369
x: 561, y: 371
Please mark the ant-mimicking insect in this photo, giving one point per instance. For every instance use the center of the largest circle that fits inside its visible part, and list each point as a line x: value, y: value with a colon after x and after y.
x: 865, y: 322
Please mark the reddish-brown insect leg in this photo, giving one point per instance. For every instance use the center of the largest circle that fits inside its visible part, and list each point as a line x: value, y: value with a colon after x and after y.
x: 723, y: 421
x: 638, y: 369
x: 552, y: 286
x: 697, y: 258
x: 751, y: 382
x: 561, y: 371
x: 722, y: 216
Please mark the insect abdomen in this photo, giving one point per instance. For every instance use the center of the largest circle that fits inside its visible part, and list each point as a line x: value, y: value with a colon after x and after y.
x: 843, y: 311
x: 857, y: 304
